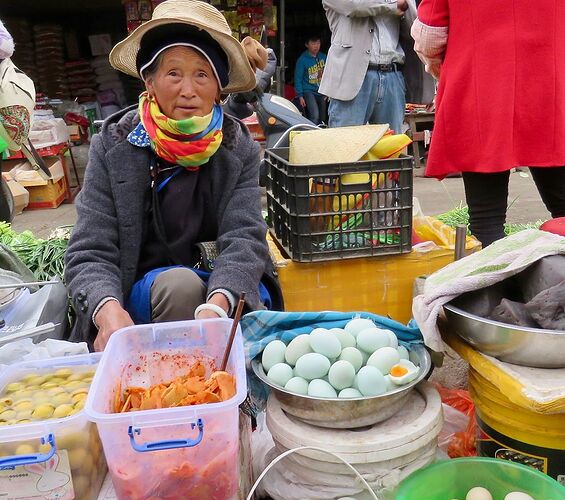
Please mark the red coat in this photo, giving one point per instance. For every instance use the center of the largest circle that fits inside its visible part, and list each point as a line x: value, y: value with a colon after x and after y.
x: 501, y: 95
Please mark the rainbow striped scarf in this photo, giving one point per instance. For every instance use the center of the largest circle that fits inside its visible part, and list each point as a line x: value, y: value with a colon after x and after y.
x: 188, y: 143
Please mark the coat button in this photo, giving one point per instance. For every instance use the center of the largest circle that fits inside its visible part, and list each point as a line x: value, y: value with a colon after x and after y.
x: 81, y: 296
x: 368, y: 51
x: 371, y: 30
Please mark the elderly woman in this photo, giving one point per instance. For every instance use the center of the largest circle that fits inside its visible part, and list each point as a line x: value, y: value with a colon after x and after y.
x: 165, y: 175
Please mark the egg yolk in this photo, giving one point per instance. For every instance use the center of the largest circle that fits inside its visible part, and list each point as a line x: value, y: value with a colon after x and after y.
x: 398, y: 371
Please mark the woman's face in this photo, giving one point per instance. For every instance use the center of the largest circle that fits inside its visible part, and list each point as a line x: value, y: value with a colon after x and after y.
x: 184, y: 84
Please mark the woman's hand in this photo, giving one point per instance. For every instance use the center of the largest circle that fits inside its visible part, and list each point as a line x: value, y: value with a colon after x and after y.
x: 110, y: 318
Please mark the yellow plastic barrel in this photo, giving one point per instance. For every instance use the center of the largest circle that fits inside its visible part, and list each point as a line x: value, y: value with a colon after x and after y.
x: 512, y: 432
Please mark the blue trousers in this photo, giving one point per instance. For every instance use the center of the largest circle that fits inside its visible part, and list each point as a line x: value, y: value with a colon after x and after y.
x: 380, y: 100
x: 315, y: 107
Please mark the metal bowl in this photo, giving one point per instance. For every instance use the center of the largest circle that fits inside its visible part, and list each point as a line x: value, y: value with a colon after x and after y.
x: 337, y: 413
x: 520, y: 345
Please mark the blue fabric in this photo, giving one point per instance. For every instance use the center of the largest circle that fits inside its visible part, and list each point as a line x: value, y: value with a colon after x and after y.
x: 308, y: 72
x: 138, y: 304
x: 380, y: 100
x: 261, y: 327
x: 139, y: 137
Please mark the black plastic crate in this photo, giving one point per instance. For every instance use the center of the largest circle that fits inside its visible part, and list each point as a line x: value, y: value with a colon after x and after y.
x: 340, y: 210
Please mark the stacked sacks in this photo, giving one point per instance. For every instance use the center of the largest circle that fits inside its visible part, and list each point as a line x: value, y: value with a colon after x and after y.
x: 50, y: 60
x: 81, y: 80
x: 24, y: 55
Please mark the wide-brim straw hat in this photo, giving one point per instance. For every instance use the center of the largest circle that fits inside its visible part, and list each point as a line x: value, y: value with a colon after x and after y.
x: 202, y: 16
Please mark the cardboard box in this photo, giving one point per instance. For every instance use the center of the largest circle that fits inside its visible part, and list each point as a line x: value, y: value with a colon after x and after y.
x: 20, y: 195
x: 43, y: 193
x: 50, y: 195
x: 23, y: 173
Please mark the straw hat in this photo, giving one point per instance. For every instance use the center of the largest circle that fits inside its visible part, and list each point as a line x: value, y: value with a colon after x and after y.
x: 193, y: 13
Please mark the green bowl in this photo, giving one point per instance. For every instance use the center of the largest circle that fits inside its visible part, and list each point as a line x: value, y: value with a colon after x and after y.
x: 452, y: 479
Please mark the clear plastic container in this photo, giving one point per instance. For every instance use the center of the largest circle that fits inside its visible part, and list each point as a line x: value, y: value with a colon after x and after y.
x: 57, y: 458
x: 189, y: 452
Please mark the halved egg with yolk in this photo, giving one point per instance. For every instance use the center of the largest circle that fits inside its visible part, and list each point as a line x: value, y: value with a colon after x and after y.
x: 403, y: 372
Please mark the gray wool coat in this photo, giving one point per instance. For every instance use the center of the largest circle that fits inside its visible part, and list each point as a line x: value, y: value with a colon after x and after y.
x: 105, y: 245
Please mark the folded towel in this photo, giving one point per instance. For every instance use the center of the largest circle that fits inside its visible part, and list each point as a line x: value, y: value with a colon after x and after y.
x: 498, y: 261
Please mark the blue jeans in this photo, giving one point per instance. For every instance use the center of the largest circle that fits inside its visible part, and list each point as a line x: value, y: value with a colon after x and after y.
x: 315, y: 107
x: 380, y: 100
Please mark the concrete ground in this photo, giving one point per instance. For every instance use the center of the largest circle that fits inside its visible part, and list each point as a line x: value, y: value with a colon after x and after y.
x: 435, y: 197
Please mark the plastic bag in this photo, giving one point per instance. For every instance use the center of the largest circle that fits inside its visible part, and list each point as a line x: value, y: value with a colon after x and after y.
x: 427, y: 228
x: 26, y: 350
x: 459, y: 417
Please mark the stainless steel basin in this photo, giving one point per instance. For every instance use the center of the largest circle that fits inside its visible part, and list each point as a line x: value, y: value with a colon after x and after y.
x: 338, y: 413
x: 519, y: 345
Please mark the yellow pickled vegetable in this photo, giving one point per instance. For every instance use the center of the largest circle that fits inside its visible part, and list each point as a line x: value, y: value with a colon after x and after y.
x: 55, y: 390
x: 63, y: 372
x: 62, y: 398
x: 43, y: 411
x: 77, y: 457
x: 62, y: 411
x: 24, y: 404
x: 79, y: 405
x: 5, y: 402
x: 13, y: 387
x: 25, y: 449
x: 24, y: 414
x: 78, y: 397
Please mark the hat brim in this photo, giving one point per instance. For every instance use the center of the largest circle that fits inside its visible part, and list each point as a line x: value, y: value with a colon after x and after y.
x: 241, y: 76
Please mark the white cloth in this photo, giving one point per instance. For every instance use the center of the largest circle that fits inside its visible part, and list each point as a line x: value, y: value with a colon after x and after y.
x: 502, y: 259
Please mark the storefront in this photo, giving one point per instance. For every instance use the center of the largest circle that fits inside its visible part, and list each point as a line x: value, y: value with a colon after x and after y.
x: 63, y: 45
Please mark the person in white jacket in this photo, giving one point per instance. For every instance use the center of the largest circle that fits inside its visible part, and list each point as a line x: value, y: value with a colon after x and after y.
x: 363, y: 74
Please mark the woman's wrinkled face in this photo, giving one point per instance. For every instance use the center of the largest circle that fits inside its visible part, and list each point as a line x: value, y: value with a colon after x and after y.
x: 184, y: 84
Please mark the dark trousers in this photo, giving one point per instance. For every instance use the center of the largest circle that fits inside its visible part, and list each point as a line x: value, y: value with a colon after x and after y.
x: 315, y: 107
x: 487, y: 199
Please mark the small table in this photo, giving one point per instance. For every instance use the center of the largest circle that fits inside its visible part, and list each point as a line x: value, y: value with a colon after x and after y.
x: 421, y: 124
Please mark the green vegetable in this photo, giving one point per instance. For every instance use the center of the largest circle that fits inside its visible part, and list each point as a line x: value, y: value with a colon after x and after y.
x: 44, y: 258
x: 460, y: 215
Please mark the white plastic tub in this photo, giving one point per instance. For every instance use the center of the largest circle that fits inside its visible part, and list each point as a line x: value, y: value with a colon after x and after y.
x: 58, y: 458
x: 186, y: 452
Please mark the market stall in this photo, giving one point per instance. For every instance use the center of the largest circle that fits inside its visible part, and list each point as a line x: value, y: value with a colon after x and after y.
x: 337, y: 386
